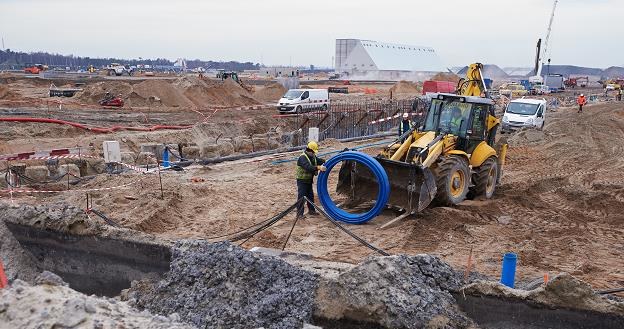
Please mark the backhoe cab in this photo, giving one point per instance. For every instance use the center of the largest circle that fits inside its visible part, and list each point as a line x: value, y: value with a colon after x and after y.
x: 450, y: 157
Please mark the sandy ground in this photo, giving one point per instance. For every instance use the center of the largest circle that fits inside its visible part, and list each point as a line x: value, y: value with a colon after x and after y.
x: 559, y: 206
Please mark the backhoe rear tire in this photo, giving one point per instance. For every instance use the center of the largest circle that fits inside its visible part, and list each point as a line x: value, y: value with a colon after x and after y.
x: 485, y: 179
x: 452, y: 178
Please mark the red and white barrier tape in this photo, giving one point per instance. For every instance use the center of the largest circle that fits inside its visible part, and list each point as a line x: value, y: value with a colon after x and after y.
x: 43, y: 155
x: 390, y: 118
x: 11, y: 191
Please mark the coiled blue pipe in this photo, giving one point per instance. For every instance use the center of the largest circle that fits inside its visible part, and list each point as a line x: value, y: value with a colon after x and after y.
x: 382, y: 194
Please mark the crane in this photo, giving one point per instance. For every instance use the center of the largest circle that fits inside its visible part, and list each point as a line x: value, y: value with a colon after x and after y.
x: 537, y: 78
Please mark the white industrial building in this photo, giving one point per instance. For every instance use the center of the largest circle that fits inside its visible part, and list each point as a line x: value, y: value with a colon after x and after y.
x: 372, y: 60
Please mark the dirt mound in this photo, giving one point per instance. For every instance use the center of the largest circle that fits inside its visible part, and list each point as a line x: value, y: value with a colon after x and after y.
x: 93, y: 93
x: 405, y: 87
x: 167, y: 92
x: 54, y: 305
x: 442, y: 76
x: 395, y: 292
x: 6, y: 92
x: 270, y: 93
x: 226, y: 93
x: 221, y: 285
x: 182, y: 92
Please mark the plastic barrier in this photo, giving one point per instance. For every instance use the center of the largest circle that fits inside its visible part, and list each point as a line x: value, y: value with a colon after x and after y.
x: 382, y: 194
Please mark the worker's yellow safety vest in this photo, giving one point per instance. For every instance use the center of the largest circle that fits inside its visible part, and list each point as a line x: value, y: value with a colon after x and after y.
x: 301, y: 173
x: 456, y: 122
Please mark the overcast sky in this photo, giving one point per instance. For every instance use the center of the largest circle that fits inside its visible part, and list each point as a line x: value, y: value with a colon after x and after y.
x: 502, y: 32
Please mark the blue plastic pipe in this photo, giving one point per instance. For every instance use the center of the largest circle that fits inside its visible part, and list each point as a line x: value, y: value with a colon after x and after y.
x: 508, y: 274
x: 382, y: 194
x: 166, y: 163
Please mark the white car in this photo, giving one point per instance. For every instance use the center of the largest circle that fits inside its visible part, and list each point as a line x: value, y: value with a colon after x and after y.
x: 524, y: 112
x: 301, y: 100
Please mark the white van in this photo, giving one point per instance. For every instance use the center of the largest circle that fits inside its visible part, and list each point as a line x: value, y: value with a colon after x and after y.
x: 524, y: 112
x: 301, y: 100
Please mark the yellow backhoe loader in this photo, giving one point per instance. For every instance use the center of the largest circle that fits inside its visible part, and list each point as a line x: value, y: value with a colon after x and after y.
x: 450, y: 157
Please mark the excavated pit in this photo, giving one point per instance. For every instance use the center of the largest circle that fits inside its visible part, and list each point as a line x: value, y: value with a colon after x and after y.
x: 93, y: 264
x: 277, y: 290
x: 503, y: 313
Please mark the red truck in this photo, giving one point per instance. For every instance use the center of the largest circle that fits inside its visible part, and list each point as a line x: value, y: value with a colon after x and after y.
x: 438, y: 87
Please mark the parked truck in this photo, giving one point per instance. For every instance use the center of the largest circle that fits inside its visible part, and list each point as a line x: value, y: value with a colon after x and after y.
x: 555, y: 82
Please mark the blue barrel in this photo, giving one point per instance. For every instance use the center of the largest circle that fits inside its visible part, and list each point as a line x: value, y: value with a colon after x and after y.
x: 508, y: 274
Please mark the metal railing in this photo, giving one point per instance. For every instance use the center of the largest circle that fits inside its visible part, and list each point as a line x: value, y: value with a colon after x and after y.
x: 344, y: 120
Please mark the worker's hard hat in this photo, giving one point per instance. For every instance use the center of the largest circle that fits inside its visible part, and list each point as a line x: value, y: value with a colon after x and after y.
x: 313, y: 146
x: 405, y: 115
x: 582, y: 95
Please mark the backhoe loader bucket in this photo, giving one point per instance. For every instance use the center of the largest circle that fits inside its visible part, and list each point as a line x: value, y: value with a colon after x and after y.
x: 412, y: 187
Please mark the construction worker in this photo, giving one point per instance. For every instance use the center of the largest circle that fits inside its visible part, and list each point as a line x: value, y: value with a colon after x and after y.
x: 455, y: 121
x: 405, y: 124
x: 308, y: 166
x: 619, y: 95
x: 581, y: 100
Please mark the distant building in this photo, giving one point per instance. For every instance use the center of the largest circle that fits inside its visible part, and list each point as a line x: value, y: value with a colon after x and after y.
x: 280, y: 71
x: 372, y: 60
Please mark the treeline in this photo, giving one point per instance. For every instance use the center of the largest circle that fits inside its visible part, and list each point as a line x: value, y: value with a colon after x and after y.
x: 18, y: 59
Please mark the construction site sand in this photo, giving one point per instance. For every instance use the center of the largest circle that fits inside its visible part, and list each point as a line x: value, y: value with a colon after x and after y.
x: 445, y: 77
x: 558, y: 208
x: 270, y: 93
x: 181, y: 92
x: 405, y: 87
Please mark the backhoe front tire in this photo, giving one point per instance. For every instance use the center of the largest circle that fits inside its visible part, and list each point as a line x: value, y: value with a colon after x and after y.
x: 452, y: 178
x: 485, y: 179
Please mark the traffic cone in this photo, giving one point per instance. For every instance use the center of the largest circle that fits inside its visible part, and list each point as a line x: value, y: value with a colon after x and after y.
x: 3, y: 279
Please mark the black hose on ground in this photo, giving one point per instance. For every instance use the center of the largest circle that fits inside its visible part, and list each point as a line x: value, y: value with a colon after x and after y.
x: 104, y: 217
x: 610, y: 291
x: 342, y: 228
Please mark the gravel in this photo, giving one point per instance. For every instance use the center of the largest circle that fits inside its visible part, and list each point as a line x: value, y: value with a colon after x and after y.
x: 220, y: 285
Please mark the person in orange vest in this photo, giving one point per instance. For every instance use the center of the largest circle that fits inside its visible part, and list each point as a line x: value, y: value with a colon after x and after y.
x: 581, y: 100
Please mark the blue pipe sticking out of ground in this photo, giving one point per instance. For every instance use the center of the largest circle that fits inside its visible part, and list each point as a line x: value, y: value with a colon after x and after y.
x: 382, y: 196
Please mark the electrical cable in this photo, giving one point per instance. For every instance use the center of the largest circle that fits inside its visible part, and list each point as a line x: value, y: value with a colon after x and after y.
x: 263, y: 224
x: 104, y: 217
x: 342, y: 228
x: 383, y: 192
